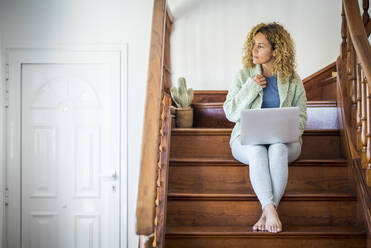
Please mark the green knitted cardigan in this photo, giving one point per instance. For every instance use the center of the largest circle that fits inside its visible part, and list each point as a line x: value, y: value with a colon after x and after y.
x: 245, y: 93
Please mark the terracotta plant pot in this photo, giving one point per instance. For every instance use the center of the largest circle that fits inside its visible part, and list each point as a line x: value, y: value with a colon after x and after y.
x: 184, y: 117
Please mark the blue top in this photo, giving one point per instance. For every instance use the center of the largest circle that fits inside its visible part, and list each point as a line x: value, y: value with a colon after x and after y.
x: 271, y: 97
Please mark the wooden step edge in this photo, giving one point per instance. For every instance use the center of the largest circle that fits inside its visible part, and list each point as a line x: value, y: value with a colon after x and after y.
x: 211, y: 92
x: 310, y: 104
x: 228, y: 131
x: 315, y: 104
x: 201, y: 131
x: 290, y: 231
x: 323, y: 196
x: 233, y: 162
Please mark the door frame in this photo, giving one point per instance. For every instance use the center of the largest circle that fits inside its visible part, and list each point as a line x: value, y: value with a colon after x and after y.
x: 2, y: 142
x: 14, y: 58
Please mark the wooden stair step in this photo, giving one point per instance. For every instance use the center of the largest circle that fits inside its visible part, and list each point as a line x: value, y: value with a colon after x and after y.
x: 342, y: 162
x: 244, y: 236
x: 247, y: 230
x: 214, y: 143
x: 237, y: 209
x: 250, y: 196
x: 321, y: 115
x: 231, y: 176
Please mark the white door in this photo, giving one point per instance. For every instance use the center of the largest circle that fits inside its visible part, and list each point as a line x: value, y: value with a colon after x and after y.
x: 69, y: 163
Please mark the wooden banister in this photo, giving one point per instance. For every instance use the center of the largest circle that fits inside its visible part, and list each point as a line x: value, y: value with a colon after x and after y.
x: 358, y: 36
x: 354, y: 99
x: 145, y: 211
x: 155, y: 154
x: 354, y: 84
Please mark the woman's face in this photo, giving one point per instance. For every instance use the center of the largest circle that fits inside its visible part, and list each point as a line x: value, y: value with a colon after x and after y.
x: 262, y: 50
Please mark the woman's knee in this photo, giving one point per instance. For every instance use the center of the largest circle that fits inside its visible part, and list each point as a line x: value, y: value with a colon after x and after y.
x: 257, y: 155
x: 278, y: 149
x: 248, y: 153
x: 257, y: 149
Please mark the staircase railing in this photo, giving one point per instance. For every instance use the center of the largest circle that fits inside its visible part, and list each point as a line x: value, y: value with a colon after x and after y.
x: 354, y: 83
x: 151, y: 203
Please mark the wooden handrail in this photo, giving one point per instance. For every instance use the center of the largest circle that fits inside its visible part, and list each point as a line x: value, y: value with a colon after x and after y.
x: 145, y: 211
x: 318, y: 73
x: 354, y: 84
x: 354, y: 101
x: 358, y: 36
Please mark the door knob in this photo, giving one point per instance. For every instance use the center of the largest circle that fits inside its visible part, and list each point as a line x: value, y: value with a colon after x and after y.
x: 109, y: 177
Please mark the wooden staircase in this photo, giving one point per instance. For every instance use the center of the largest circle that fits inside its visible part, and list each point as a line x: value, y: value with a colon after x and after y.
x: 192, y: 193
x: 211, y: 202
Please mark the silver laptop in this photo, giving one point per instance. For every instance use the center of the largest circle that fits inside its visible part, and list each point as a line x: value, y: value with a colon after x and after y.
x: 270, y: 125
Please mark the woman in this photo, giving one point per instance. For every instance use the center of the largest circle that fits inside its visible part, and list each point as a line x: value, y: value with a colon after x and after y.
x: 267, y: 80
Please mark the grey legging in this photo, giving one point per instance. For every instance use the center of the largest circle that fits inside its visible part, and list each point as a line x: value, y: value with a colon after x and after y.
x: 268, y: 167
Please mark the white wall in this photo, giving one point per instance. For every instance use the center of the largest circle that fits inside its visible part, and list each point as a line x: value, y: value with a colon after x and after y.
x: 208, y: 36
x: 55, y: 23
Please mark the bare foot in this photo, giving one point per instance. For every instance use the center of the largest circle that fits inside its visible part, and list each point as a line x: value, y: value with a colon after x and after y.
x: 260, y: 225
x: 273, y: 223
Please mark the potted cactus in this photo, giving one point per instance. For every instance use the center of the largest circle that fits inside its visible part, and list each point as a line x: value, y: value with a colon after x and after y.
x: 182, y: 98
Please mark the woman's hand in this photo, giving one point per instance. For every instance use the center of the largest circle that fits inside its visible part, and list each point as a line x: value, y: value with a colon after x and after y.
x: 260, y: 80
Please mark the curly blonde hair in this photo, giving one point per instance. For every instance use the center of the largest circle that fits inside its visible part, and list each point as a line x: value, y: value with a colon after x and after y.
x: 281, y: 41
